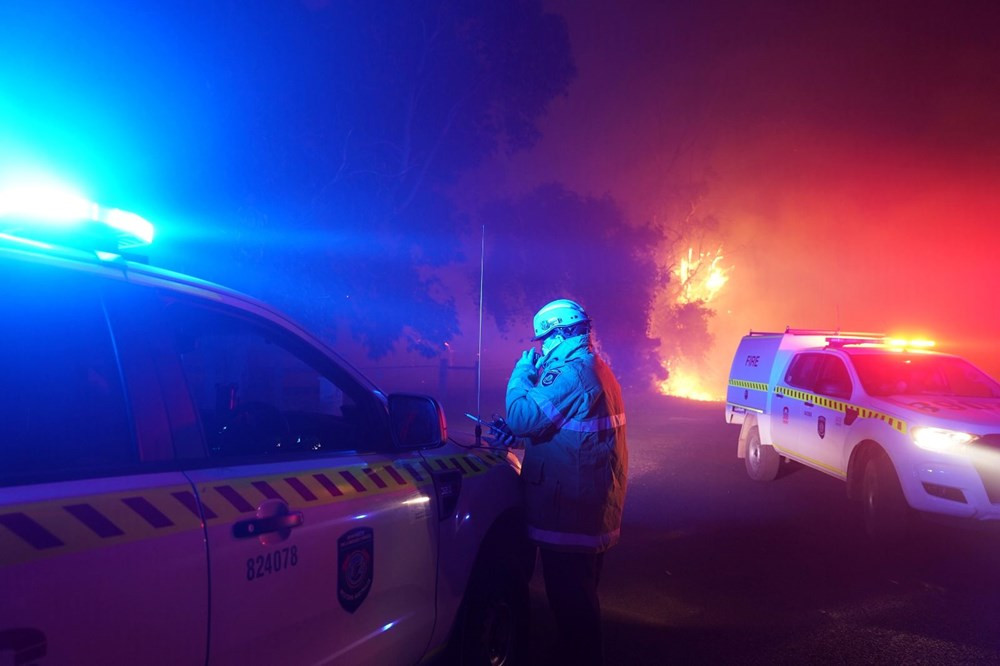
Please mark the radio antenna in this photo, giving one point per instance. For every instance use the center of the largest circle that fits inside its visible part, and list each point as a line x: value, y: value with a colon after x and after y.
x: 479, y: 349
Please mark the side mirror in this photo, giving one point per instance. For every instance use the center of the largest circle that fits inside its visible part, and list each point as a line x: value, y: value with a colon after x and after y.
x: 417, y: 421
x: 850, y: 416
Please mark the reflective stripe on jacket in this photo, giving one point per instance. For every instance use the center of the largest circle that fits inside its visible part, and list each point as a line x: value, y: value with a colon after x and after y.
x: 575, y: 460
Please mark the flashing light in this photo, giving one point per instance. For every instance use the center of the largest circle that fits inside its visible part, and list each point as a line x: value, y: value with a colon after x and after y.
x: 45, y: 203
x: 45, y: 214
x: 940, y: 440
x: 904, y: 343
x: 130, y: 225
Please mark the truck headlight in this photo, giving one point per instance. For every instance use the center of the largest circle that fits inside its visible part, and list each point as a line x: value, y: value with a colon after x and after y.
x: 940, y: 439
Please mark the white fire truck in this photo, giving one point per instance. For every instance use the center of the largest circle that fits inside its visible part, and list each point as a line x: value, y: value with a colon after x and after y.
x: 907, y: 428
x: 188, y: 477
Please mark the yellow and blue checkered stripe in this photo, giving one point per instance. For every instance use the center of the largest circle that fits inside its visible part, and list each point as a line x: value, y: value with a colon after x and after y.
x: 753, y: 386
x: 841, y: 406
x: 49, y: 528
x: 821, y: 401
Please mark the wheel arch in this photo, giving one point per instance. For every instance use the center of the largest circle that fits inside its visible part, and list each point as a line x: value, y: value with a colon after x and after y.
x: 506, y: 544
x: 749, y: 423
x: 507, y: 537
x: 860, y: 455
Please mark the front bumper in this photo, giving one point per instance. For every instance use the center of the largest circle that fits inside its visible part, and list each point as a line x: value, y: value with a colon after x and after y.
x: 962, y: 487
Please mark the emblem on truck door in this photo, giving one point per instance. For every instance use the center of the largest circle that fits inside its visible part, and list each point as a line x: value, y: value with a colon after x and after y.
x: 355, y: 567
x: 821, y: 426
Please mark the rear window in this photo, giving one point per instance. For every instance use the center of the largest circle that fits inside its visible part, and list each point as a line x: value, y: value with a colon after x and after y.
x: 822, y: 373
x: 912, y: 374
x: 804, y: 370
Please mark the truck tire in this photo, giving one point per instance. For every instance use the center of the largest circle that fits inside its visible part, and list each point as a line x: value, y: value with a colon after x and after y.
x: 762, y: 461
x: 494, y: 627
x: 884, y: 507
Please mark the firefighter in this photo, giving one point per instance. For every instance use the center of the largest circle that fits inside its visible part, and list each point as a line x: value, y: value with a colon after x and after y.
x: 565, y: 406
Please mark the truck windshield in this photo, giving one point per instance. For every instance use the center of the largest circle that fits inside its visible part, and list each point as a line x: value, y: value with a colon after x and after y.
x: 906, y: 374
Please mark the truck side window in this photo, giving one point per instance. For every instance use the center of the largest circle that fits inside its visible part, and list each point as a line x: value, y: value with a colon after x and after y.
x: 260, y: 391
x: 804, y: 371
x: 833, y: 378
x: 63, y: 412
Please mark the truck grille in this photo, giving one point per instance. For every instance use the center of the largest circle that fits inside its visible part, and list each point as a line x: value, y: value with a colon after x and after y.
x: 990, y: 474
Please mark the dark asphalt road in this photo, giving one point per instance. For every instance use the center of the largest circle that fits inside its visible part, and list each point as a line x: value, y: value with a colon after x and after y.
x: 714, y: 568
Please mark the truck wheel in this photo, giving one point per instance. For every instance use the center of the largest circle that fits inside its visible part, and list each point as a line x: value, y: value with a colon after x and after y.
x: 494, y: 628
x: 762, y: 461
x: 883, y: 505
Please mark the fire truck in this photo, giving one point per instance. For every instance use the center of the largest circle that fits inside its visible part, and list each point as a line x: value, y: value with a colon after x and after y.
x: 189, y: 477
x: 908, y: 429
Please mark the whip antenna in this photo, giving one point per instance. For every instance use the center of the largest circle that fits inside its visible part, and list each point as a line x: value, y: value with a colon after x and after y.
x: 479, y: 350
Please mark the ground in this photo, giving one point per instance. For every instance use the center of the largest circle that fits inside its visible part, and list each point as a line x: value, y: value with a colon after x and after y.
x: 714, y: 568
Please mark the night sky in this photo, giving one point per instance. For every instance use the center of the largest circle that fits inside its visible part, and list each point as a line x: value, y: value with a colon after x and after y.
x: 850, y: 152
x: 846, y: 151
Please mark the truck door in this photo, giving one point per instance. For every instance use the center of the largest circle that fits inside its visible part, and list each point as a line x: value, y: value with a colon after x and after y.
x: 807, y: 423
x: 321, y: 540
x: 102, y: 553
x: 833, y: 391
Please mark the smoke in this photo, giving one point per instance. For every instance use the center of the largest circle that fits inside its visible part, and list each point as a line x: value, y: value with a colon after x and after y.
x: 553, y: 243
x: 849, y: 154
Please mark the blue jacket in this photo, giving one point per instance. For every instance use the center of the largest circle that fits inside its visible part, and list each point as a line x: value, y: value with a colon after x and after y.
x: 570, y: 411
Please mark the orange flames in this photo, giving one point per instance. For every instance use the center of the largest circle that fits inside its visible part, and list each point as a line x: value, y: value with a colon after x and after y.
x: 683, y: 383
x: 701, y: 277
x: 697, y: 280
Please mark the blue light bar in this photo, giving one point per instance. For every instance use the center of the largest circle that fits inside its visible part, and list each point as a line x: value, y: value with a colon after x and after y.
x: 48, y: 213
x: 45, y: 203
x: 130, y: 225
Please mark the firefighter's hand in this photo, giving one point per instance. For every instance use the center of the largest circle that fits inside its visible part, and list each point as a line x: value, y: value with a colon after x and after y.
x: 528, y: 360
x: 500, y: 435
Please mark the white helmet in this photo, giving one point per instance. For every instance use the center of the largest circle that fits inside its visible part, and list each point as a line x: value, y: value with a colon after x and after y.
x: 559, y: 313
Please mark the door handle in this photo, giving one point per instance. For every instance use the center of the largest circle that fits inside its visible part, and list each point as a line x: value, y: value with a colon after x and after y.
x: 255, y: 527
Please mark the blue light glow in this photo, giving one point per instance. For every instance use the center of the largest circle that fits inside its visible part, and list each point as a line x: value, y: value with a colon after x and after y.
x: 45, y: 202
x: 43, y: 208
x: 129, y: 223
x: 26, y: 241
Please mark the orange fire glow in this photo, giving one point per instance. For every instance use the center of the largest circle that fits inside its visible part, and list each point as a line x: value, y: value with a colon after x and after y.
x: 698, y: 279
x: 701, y: 277
x: 686, y: 384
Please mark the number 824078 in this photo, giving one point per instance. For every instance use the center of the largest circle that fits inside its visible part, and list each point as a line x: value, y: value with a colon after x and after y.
x: 273, y: 562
